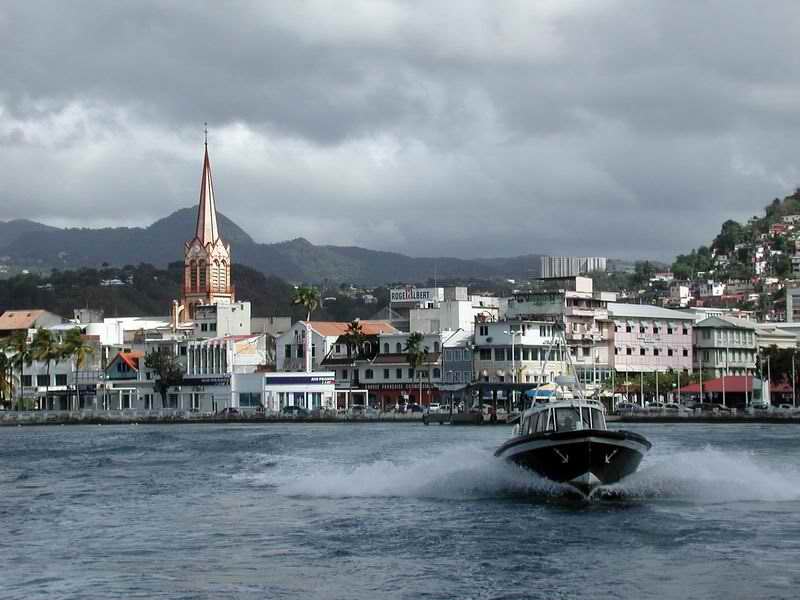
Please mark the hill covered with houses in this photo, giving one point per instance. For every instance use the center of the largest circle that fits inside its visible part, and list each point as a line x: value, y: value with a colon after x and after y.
x: 747, y: 266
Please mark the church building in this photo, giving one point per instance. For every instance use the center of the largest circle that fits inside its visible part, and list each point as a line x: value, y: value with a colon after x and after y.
x: 208, y: 298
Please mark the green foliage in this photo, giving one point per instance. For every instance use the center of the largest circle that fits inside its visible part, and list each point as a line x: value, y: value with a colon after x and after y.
x: 732, y: 233
x: 308, y: 298
x: 167, y: 369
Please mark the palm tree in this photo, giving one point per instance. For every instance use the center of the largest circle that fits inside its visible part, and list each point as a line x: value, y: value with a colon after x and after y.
x: 45, y: 348
x: 355, y: 337
x: 21, y: 357
x: 307, y: 297
x: 415, y: 355
x: 6, y: 376
x: 77, y: 348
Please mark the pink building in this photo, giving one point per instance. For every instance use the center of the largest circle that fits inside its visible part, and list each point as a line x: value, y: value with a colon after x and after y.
x: 650, y: 338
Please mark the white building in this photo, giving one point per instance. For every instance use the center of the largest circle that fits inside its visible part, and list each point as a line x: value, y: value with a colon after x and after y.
x: 570, y: 266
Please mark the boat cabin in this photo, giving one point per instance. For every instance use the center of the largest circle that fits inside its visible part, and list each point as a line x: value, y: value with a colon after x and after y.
x: 563, y: 416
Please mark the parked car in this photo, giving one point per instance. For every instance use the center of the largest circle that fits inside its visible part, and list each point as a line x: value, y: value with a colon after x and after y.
x: 672, y: 406
x: 294, y: 411
x: 414, y: 408
x: 228, y: 411
x: 434, y: 407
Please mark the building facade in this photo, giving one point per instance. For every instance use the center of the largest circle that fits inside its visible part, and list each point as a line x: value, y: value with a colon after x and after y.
x: 725, y: 346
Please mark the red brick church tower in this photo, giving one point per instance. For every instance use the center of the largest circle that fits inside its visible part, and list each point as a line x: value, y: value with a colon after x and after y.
x: 207, y: 258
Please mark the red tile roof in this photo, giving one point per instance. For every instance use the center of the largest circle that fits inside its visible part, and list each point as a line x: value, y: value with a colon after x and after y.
x: 131, y: 358
x: 336, y: 328
x: 19, y: 319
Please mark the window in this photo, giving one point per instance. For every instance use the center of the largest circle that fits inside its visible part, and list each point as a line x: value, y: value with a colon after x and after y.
x: 172, y: 401
x: 398, y: 373
x: 567, y: 419
x: 183, y: 350
x: 386, y: 374
x: 616, y: 350
x: 616, y: 328
x: 628, y: 351
x: 411, y: 373
x: 386, y: 348
x: 27, y: 380
x: 628, y: 329
x: 483, y: 330
x: 642, y: 351
x: 42, y: 380
x: 212, y: 326
x: 249, y: 399
x: 203, y: 327
x: 655, y: 351
x: 706, y: 334
x: 301, y: 350
x: 344, y: 374
x: 685, y: 352
x: 437, y: 373
x: 526, y: 354
x: 368, y: 374
x: 435, y: 346
x: 685, y: 331
x: 669, y: 330
x: 61, y: 379
x: 669, y: 351
x: 486, y: 354
x: 287, y: 351
x: 338, y: 348
x: 641, y: 329
x: 313, y: 350
x: 399, y: 348
x: 655, y: 329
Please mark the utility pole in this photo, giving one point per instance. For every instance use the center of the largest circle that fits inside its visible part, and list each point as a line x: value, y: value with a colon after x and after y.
x: 794, y: 383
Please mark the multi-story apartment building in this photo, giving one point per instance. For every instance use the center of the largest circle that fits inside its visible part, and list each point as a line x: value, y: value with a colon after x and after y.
x: 521, y: 347
x: 570, y: 266
x: 725, y: 346
x: 571, y: 302
x: 650, y: 338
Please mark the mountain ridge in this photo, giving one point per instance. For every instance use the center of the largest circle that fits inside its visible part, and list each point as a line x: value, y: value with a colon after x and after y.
x: 297, y: 260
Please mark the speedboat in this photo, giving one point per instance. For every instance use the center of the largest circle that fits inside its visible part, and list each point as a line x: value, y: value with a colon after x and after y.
x: 563, y: 437
x: 567, y: 441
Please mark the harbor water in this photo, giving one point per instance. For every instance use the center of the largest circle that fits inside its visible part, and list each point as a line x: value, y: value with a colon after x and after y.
x: 389, y: 511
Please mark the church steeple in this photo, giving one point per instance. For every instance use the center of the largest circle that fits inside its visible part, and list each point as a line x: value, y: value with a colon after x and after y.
x: 207, y: 258
x: 207, y: 231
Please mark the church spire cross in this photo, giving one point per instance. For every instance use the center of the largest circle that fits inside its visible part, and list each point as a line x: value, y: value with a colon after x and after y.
x: 207, y: 231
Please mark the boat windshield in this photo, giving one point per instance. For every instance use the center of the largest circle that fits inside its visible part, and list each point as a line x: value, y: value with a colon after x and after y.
x: 567, y: 419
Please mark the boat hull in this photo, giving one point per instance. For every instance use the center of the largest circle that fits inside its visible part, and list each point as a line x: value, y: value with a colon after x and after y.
x: 584, y: 459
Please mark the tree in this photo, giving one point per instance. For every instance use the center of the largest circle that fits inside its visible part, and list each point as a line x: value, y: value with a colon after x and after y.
x: 168, y: 371
x: 415, y: 355
x: 45, y: 348
x: 21, y: 357
x: 354, y: 337
x: 77, y: 348
x: 730, y: 234
x: 307, y: 297
x: 6, y: 377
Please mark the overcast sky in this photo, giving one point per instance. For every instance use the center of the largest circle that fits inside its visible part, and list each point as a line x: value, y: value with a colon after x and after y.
x: 626, y: 129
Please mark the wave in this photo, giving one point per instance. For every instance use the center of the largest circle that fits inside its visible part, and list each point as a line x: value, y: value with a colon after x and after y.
x: 472, y: 473
x: 711, y: 476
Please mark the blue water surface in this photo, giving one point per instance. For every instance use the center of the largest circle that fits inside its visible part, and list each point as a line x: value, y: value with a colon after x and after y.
x: 389, y: 511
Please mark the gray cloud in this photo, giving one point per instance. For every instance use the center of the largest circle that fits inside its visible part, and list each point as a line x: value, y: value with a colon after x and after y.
x: 458, y: 128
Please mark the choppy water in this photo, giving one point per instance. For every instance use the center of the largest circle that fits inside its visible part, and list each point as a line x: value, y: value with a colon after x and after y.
x: 389, y: 511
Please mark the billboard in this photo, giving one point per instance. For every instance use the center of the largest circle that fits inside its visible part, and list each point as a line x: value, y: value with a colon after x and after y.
x: 415, y: 295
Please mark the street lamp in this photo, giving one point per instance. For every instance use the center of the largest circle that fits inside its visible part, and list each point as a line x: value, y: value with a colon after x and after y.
x: 512, y: 333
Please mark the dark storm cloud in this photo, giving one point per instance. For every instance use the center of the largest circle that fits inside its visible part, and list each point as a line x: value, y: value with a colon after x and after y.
x: 463, y: 128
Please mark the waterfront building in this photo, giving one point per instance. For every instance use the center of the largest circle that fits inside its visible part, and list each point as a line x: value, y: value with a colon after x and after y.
x: 650, y: 338
x: 773, y: 334
x: 25, y: 320
x: 584, y: 314
x: 532, y: 359
x: 325, y: 337
x: 275, y: 391
x: 570, y: 266
x: 725, y: 346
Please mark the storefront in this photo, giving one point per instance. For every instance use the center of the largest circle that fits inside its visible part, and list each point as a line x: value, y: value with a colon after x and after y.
x: 273, y: 391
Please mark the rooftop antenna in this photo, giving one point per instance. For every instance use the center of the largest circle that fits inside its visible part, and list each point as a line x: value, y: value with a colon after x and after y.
x: 205, y: 131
